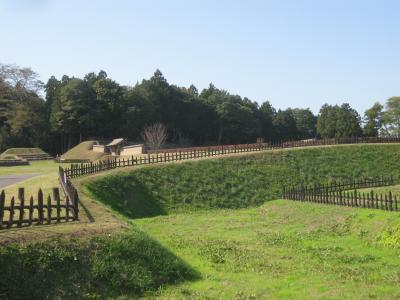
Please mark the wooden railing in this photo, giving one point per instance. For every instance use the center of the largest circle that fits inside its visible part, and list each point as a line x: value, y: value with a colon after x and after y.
x: 168, y: 155
x: 35, y: 211
x: 70, y: 192
x: 347, y: 194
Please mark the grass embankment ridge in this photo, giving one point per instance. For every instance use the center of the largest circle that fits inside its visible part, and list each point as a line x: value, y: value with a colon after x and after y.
x: 82, y: 153
x: 237, y: 181
x: 23, y: 151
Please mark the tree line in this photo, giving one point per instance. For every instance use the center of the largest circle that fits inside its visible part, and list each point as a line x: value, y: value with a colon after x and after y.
x: 62, y: 112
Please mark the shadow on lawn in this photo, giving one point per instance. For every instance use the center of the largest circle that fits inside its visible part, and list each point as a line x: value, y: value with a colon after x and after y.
x: 128, y: 264
x: 130, y: 197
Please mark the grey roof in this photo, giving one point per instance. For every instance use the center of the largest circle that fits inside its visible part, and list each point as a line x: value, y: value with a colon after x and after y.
x: 116, y: 142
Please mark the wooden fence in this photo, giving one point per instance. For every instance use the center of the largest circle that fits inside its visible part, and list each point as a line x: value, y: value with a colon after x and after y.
x: 350, y: 184
x: 37, y: 211
x: 168, y: 155
x: 70, y: 192
x: 339, y: 194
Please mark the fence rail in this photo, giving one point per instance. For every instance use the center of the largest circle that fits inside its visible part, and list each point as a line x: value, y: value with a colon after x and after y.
x: 350, y: 184
x: 39, y: 211
x: 70, y: 192
x: 168, y: 155
x: 339, y: 194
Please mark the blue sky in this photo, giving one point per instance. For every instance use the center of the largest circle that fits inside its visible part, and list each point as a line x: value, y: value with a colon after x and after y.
x: 292, y: 53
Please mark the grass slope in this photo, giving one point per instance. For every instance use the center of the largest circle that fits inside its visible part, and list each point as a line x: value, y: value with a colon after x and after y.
x: 82, y: 152
x: 102, y: 267
x: 237, y: 182
x: 284, y: 250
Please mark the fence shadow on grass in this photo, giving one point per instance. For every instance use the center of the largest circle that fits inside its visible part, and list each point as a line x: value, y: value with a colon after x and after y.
x: 131, y: 198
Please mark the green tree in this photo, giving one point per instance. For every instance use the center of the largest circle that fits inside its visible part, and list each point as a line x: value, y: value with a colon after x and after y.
x: 391, y: 116
x: 306, y: 123
x: 285, y: 125
x: 338, y: 121
x: 72, y: 112
x: 373, y: 120
x: 267, y: 114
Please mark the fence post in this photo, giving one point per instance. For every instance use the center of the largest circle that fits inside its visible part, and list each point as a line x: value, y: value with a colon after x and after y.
x: 372, y: 200
x: 67, y: 209
x: 49, y: 209
x: 76, y: 208
x: 21, y: 198
x: 2, y: 201
x: 11, y: 217
x: 30, y: 211
x: 56, y: 196
x: 390, y: 201
x: 40, y: 206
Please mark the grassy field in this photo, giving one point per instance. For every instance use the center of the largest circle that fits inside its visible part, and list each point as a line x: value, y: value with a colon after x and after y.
x: 208, y: 214
x: 47, y: 171
x: 206, y: 230
x: 283, y: 250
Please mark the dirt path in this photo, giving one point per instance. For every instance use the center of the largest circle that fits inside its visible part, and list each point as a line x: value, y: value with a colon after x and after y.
x: 15, y: 178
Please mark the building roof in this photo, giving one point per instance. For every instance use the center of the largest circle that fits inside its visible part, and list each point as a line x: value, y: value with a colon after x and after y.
x: 115, y: 142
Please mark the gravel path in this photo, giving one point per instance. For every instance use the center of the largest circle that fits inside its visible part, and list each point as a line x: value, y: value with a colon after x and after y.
x: 12, y: 179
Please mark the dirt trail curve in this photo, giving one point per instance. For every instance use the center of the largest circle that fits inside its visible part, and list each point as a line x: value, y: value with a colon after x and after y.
x: 15, y: 178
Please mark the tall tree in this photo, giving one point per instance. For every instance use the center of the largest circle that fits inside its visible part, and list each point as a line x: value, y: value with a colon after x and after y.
x: 267, y: 114
x: 285, y: 125
x: 392, y: 116
x: 306, y: 123
x: 338, y: 121
x: 373, y: 120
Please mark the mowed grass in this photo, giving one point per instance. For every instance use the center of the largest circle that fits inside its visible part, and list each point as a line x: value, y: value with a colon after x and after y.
x: 238, y: 181
x: 283, y: 250
x: 46, y: 179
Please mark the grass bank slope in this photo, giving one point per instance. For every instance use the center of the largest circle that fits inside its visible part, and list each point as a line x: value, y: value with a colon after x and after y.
x: 23, y: 151
x: 238, y: 181
x: 82, y: 152
x: 127, y: 265
x: 284, y: 250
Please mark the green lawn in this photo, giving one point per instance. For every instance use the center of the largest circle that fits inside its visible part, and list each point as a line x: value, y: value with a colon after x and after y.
x: 285, y: 250
x: 47, y: 178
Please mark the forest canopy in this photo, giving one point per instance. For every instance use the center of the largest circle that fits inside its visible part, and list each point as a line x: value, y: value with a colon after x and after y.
x: 62, y: 112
